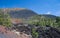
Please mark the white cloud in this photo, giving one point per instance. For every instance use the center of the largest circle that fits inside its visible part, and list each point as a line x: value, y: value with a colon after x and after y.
x: 48, y: 13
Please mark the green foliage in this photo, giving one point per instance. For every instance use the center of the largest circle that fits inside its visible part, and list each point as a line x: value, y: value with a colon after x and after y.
x: 58, y: 22
x: 43, y: 21
x: 4, y: 19
x: 7, y: 21
x: 34, y: 33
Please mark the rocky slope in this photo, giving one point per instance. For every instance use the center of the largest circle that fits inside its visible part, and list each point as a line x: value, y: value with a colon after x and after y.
x: 6, y: 33
x: 26, y: 32
x: 43, y: 32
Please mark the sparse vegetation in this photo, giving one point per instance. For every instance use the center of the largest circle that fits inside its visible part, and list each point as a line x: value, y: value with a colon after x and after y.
x: 36, y: 21
x: 5, y: 19
x: 43, y: 21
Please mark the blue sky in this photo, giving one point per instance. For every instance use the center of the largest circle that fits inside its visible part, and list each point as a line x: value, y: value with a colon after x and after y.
x: 39, y: 6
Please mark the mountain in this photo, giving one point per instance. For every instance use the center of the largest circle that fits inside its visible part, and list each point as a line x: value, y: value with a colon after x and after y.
x: 48, y: 15
x: 45, y: 16
x: 23, y: 13
x: 20, y: 12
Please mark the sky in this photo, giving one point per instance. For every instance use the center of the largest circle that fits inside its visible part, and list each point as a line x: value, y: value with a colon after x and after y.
x: 38, y: 6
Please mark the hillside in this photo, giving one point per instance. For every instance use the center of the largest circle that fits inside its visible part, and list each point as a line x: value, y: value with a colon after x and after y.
x: 19, y: 12
x: 33, y: 25
x: 23, y: 13
x: 48, y: 15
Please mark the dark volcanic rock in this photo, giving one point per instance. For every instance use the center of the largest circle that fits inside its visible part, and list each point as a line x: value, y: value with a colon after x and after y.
x: 50, y: 33
x: 43, y: 32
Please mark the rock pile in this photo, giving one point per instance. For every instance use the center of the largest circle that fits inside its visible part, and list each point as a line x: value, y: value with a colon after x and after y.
x: 5, y: 33
x: 43, y: 32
